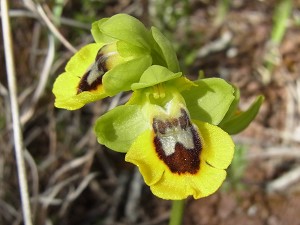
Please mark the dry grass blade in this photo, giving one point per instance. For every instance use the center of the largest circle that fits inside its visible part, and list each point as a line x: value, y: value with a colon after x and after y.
x: 48, y: 197
x: 71, y: 165
x: 72, y: 196
x: 37, y: 9
x: 42, y: 81
x: 285, y: 181
x: 134, y: 197
x: 35, y: 181
x: 18, y: 140
x: 54, y: 30
x: 9, y: 211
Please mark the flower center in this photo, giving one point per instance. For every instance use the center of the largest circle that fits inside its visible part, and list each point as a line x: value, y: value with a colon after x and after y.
x: 177, y: 143
x: 93, y: 76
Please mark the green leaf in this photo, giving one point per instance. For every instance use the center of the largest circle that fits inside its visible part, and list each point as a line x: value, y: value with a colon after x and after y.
x: 119, y: 127
x: 154, y: 75
x: 240, y: 121
x: 166, y: 49
x: 210, y: 100
x: 122, y: 76
x: 127, y: 28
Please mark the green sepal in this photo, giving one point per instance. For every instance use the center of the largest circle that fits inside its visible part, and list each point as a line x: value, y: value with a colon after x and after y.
x: 182, y: 83
x: 234, y: 105
x: 126, y: 28
x: 166, y: 49
x: 210, y: 100
x: 154, y: 75
x: 240, y: 121
x: 98, y: 36
x: 122, y: 76
x: 119, y: 127
x: 127, y: 50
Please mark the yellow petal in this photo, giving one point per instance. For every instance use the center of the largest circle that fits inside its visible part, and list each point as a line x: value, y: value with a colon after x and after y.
x: 83, y: 59
x: 173, y: 186
x: 199, y: 185
x: 66, y: 85
x: 65, y: 91
x: 218, y: 147
x: 209, y: 177
x: 142, y: 154
x: 183, y: 181
x: 207, y: 181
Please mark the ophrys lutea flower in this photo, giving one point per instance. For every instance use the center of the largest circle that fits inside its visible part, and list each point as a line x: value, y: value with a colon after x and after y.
x: 85, y: 76
x: 177, y: 155
x: 124, y: 49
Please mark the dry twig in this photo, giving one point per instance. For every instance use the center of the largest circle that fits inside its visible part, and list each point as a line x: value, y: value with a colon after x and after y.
x: 18, y: 139
x: 284, y: 181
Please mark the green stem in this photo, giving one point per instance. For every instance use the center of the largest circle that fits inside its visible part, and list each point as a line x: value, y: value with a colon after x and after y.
x: 280, y: 18
x: 177, y: 212
x: 222, y: 10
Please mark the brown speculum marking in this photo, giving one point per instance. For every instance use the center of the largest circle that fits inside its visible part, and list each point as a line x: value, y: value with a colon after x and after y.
x: 178, y: 144
x: 93, y: 76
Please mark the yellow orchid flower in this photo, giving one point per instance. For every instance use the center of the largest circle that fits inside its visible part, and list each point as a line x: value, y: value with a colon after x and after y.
x: 81, y: 82
x: 176, y: 155
x: 88, y: 74
x: 179, y: 157
x: 124, y: 49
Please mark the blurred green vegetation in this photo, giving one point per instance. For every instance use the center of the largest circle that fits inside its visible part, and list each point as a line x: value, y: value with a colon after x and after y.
x: 236, y: 170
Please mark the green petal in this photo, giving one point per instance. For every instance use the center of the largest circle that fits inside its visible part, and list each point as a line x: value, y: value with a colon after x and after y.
x: 239, y: 122
x: 127, y: 28
x: 154, y: 75
x: 210, y: 100
x: 121, y: 77
x: 118, y: 128
x: 166, y: 49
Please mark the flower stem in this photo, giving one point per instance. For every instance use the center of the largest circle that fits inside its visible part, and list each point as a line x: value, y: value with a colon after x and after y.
x: 177, y: 212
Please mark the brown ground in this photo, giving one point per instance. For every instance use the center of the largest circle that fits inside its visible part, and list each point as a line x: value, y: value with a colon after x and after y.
x: 74, y: 180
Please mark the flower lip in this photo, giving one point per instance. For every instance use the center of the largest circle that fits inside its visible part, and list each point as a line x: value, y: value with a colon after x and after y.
x: 177, y: 143
x: 93, y: 77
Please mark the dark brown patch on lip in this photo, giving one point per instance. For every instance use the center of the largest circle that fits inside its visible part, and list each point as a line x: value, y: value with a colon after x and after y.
x: 99, y: 68
x: 183, y: 160
x: 85, y: 86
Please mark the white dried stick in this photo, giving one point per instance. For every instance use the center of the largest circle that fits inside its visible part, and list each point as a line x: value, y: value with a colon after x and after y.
x: 18, y: 140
